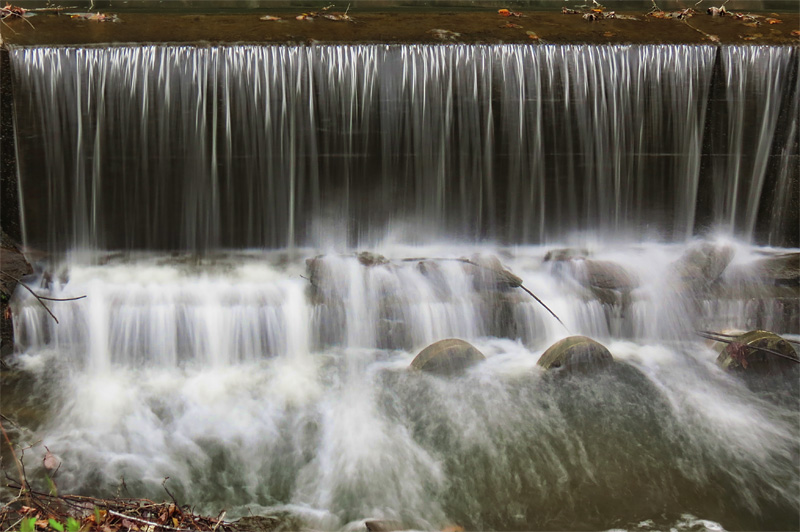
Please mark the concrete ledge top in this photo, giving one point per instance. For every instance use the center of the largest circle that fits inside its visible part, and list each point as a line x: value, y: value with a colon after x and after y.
x: 400, y: 27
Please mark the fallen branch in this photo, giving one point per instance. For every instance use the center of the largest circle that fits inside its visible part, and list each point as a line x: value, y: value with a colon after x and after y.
x: 17, y: 462
x: 731, y: 339
x: 515, y: 285
x: 41, y: 299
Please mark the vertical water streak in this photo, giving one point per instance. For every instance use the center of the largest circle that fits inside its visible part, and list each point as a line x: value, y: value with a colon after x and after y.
x: 272, y: 146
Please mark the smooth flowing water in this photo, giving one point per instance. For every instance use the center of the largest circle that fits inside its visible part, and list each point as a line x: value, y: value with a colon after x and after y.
x: 209, y: 203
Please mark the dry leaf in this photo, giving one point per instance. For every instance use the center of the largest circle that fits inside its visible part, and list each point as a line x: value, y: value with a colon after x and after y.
x: 774, y: 21
x: 511, y: 25
x: 269, y: 17
x: 532, y: 35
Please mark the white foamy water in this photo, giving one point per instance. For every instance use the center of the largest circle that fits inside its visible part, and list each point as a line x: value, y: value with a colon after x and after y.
x: 256, y: 383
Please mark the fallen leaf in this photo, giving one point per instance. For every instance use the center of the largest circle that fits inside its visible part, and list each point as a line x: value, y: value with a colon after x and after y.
x: 532, y: 35
x: 795, y: 33
x: 609, y: 34
x: 269, y: 17
x: 774, y: 21
x: 508, y: 13
x: 511, y: 25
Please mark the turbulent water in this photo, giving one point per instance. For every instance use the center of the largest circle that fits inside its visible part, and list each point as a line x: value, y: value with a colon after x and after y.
x: 210, y: 202
x: 254, y: 390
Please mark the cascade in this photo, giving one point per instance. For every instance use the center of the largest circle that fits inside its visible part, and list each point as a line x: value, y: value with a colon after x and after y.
x: 214, y: 204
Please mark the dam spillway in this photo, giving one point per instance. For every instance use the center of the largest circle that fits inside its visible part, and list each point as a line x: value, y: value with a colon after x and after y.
x: 197, y: 148
x: 213, y: 204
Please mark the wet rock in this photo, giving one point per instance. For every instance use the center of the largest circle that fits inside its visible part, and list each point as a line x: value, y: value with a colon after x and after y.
x: 368, y: 259
x: 278, y: 522
x: 317, y: 270
x: 605, y: 275
x: 757, y: 352
x: 702, y: 264
x: 383, y: 525
x: 783, y: 269
x: 447, y: 357
x: 490, y: 274
x: 563, y: 254
x: 575, y: 352
x: 14, y: 266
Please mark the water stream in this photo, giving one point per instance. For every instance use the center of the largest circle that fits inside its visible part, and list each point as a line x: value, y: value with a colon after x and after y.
x: 210, y: 202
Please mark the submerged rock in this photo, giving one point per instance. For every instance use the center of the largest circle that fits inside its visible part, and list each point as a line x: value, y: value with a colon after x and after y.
x: 447, y: 357
x: 756, y: 351
x: 574, y: 352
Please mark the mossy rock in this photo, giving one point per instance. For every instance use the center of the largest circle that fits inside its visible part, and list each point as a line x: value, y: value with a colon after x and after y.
x: 575, y: 352
x: 747, y: 352
x: 447, y: 357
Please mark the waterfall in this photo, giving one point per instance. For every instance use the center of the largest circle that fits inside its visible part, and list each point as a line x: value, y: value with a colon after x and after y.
x: 266, y: 237
x: 274, y: 146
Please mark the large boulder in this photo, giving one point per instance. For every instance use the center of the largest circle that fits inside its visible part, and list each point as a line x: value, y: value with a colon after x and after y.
x: 757, y: 352
x: 447, y: 357
x: 575, y: 352
x: 605, y: 275
x: 702, y: 264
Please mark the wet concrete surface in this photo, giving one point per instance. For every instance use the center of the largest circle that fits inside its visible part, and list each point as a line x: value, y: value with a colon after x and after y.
x: 399, y: 27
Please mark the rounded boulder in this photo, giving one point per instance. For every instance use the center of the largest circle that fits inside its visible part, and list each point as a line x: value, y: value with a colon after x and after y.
x: 575, y: 352
x: 756, y: 351
x: 447, y: 357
